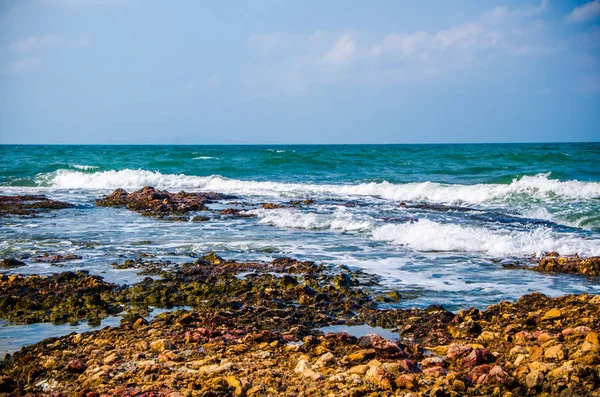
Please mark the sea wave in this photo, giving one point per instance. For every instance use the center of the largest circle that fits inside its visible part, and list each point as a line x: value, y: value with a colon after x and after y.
x: 340, y: 220
x: 205, y: 158
x: 84, y: 167
x: 427, y: 235
x: 539, y: 187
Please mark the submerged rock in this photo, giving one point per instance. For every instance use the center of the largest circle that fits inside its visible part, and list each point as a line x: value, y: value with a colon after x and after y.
x: 9, y: 263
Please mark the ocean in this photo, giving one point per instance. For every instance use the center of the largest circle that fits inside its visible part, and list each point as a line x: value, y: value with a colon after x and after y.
x: 439, y: 223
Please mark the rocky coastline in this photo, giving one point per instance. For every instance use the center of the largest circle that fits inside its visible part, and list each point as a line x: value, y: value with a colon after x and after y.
x: 258, y: 328
x: 254, y: 329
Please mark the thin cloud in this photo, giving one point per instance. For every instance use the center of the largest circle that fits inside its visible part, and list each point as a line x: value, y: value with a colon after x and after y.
x: 24, y: 64
x: 342, y: 51
x: 33, y: 43
x: 584, y: 13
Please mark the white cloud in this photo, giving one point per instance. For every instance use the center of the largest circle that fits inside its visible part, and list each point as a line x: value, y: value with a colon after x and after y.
x: 342, y: 51
x: 326, y: 57
x: 585, y: 12
x: 24, y: 64
x: 464, y: 35
x: 403, y: 44
x: 33, y: 43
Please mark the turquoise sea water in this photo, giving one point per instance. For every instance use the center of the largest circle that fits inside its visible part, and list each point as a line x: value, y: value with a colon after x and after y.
x: 470, y: 209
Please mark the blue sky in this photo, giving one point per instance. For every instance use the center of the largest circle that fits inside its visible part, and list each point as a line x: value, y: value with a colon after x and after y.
x: 276, y: 71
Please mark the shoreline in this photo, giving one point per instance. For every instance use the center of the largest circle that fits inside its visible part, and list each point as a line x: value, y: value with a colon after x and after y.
x: 285, y: 327
x: 255, y: 330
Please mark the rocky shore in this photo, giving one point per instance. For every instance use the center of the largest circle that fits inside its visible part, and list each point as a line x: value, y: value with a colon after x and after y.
x: 253, y: 329
x: 264, y: 328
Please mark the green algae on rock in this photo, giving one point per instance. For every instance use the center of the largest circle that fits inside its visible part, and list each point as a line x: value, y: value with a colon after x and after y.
x: 63, y: 297
x: 521, y: 350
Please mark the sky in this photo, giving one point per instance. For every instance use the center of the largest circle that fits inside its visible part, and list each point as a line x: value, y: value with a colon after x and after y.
x: 277, y: 71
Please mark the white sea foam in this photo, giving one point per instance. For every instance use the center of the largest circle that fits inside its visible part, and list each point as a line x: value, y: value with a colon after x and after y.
x: 340, y: 220
x: 205, y: 158
x: 84, y: 167
x: 426, y: 235
x: 539, y: 187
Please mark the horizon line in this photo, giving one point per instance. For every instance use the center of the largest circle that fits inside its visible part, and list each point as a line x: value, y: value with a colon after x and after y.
x: 298, y: 144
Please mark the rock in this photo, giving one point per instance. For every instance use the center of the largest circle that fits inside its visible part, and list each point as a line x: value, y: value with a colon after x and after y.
x: 378, y: 375
x: 457, y: 351
x: 359, y: 369
x: 360, y: 356
x: 379, y: 343
x: 304, y: 368
x: 9, y: 263
x: 592, y: 338
x: 552, y: 314
x: 435, y: 372
x: 534, y: 379
x: 29, y: 205
x: 409, y: 366
x: 110, y: 359
x: 433, y: 362
x: 476, y: 357
x: 76, y: 367
x: 326, y: 360
x: 555, y: 353
x: 161, y: 345
x: 518, y: 350
x: 406, y: 381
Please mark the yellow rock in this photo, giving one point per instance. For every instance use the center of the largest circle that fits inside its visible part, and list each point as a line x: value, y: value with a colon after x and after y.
x: 359, y: 369
x: 552, y: 314
x: 555, y: 353
x: 592, y: 338
x: 538, y: 366
x: 518, y: 350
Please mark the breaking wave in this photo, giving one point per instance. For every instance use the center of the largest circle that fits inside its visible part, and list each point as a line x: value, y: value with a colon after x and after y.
x: 427, y: 236
x: 539, y: 187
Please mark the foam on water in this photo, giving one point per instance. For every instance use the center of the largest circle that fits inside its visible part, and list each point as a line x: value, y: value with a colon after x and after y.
x: 427, y: 235
x: 339, y: 220
x: 538, y: 186
x: 84, y: 167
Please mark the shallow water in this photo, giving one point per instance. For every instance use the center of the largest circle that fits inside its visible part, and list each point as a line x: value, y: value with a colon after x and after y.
x: 504, y: 203
x: 361, y: 330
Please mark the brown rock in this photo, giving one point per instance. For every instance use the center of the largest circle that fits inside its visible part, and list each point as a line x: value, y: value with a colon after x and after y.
x: 476, y: 357
x: 534, y: 379
x: 76, y: 367
x: 555, y: 353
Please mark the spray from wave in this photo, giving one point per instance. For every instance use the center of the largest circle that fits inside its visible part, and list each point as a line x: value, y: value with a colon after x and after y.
x: 428, y: 236
x: 539, y: 187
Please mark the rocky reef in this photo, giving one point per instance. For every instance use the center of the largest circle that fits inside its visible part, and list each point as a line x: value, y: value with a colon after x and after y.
x: 159, y: 203
x: 554, y: 263
x: 254, y: 330
x: 29, y: 205
x: 64, y: 297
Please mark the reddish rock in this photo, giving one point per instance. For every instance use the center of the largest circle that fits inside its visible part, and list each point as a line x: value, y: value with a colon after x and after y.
x: 76, y: 367
x: 475, y: 358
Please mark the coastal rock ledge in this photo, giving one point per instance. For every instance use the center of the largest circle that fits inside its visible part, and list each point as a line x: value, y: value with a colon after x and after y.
x: 537, y: 346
